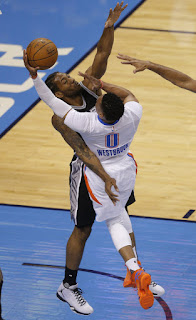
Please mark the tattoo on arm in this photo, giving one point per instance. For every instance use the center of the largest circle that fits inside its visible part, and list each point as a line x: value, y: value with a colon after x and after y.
x: 76, y: 142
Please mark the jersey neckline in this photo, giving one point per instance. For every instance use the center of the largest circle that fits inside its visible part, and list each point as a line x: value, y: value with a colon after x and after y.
x: 107, y: 124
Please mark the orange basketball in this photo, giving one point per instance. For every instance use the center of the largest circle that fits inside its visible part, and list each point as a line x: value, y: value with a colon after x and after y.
x: 42, y: 53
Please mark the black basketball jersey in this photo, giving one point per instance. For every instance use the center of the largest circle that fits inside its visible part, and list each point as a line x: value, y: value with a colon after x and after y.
x: 89, y: 100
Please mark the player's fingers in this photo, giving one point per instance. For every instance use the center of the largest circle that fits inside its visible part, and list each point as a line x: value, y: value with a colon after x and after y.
x: 138, y: 70
x: 115, y: 186
x: 80, y: 74
x: 84, y: 75
x: 114, y: 200
x: 124, y: 7
x: 110, y: 13
x: 125, y: 57
x: 24, y: 55
x: 122, y: 57
x: 126, y: 62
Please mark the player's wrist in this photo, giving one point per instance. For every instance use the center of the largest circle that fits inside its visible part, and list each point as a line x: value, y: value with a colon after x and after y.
x: 105, y: 177
x: 33, y: 75
x: 101, y: 84
x: 150, y: 65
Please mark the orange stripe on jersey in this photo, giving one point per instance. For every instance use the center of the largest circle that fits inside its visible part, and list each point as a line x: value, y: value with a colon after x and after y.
x: 130, y: 154
x: 89, y: 189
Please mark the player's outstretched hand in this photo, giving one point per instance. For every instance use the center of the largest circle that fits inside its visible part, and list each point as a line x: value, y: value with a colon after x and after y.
x: 115, y: 14
x: 108, y: 185
x: 96, y: 83
x: 32, y: 71
x: 140, y: 65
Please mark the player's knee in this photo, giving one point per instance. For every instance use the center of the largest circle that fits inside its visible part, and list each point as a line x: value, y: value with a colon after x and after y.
x: 84, y: 232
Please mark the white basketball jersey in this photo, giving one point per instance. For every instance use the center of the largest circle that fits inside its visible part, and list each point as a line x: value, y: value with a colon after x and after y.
x: 109, y: 142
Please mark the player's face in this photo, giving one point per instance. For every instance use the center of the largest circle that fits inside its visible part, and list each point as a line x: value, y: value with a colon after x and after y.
x: 66, y: 84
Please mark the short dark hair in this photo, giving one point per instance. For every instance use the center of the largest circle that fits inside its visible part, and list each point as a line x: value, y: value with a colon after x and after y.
x: 50, y: 82
x: 112, y: 106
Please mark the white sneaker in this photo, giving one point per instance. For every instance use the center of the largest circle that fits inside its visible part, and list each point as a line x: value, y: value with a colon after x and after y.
x: 156, y: 289
x: 73, y: 296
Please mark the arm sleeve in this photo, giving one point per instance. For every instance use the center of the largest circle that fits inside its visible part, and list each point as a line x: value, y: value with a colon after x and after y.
x: 59, y: 107
x: 75, y: 120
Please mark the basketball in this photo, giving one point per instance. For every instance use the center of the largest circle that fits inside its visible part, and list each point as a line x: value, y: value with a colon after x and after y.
x: 42, y: 53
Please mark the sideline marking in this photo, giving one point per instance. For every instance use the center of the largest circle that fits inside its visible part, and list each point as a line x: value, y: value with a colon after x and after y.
x: 158, y: 30
x: 188, y: 214
x: 68, y: 210
x: 162, y: 303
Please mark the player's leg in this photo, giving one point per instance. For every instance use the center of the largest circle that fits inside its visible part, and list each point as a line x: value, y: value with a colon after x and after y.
x: 74, y: 252
x: 154, y: 287
x: 83, y: 217
x: 122, y: 242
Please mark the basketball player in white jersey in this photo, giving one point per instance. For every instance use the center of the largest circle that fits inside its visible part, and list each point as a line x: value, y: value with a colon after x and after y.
x: 108, y: 133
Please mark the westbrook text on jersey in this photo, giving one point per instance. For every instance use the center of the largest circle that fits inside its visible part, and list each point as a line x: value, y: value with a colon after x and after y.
x: 113, y: 152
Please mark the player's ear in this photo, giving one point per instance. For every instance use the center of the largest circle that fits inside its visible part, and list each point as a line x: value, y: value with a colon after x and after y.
x: 59, y: 94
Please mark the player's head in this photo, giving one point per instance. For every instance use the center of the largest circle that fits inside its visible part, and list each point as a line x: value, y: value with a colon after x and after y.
x: 62, y: 85
x: 109, y: 107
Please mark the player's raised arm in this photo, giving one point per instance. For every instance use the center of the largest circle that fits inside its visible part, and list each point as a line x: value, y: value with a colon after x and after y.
x: 176, y: 77
x: 61, y: 108
x: 104, y: 45
x: 121, y: 92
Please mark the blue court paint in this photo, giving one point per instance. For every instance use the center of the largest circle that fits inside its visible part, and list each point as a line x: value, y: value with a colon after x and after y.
x: 37, y: 236
x: 163, y: 304
x: 74, y: 26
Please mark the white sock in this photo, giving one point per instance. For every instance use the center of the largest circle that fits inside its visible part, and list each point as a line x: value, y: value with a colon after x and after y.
x: 132, y: 264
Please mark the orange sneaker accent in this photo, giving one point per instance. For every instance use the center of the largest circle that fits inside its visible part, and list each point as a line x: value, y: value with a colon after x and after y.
x: 128, y: 281
x: 142, y: 281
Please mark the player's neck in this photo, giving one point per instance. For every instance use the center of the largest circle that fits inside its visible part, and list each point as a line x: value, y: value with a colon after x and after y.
x: 103, y: 119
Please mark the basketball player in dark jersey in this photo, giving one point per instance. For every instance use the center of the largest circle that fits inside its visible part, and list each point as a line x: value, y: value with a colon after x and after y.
x: 81, y: 97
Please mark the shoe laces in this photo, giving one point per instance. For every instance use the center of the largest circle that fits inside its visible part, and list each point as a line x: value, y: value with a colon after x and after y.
x: 78, y: 294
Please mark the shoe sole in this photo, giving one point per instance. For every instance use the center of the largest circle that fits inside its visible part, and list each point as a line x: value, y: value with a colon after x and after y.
x: 71, y: 307
x: 146, y: 297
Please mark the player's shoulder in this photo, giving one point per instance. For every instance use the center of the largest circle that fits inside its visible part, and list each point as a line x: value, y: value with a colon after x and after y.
x: 134, y: 107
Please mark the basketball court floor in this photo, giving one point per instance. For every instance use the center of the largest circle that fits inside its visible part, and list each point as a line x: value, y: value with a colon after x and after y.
x: 34, y: 162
